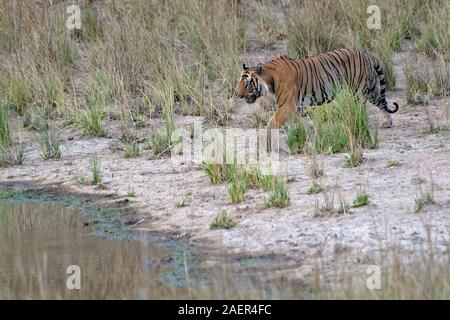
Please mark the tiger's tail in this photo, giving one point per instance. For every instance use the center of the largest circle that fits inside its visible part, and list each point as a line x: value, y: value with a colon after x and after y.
x: 382, y: 101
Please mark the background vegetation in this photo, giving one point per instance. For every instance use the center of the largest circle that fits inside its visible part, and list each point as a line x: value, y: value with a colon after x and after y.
x: 136, y: 60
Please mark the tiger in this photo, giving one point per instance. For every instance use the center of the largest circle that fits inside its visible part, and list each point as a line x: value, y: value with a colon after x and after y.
x: 311, y: 81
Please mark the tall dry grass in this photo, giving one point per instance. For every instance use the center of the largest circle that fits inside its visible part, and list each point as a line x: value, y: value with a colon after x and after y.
x: 141, y: 48
x: 346, y: 27
x: 165, y: 57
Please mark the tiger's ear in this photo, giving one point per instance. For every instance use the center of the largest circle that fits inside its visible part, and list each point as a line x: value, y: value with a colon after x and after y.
x: 245, y: 66
x: 259, y: 69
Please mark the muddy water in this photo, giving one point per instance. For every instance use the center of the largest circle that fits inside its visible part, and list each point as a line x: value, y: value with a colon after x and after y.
x: 39, y: 241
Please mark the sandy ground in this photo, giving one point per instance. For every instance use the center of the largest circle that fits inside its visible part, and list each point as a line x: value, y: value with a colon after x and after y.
x: 293, y: 232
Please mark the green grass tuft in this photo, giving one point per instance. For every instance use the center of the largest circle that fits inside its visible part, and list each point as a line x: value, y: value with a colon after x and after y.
x: 236, y: 190
x: 220, y: 173
x: 267, y: 182
x: 131, y: 193
x: 297, y: 137
x: 343, y: 125
x: 81, y: 180
x: 425, y: 197
x: 328, y: 208
x: 392, y: 164
x: 14, y: 155
x: 159, y: 143
x: 5, y: 132
x: 315, y: 188
x: 96, y: 170
x: 361, y: 199
x: 181, y: 204
x: 92, y: 120
x: 223, y: 221
x: 280, y: 197
x: 131, y: 150
x: 50, y: 146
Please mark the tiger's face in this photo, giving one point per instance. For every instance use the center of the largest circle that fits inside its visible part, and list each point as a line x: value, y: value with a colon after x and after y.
x: 250, y: 85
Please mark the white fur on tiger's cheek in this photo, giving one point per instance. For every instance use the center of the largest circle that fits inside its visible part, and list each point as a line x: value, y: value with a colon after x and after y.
x: 264, y: 88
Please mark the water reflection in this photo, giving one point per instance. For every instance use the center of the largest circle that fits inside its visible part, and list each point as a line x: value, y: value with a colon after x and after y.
x: 38, y: 241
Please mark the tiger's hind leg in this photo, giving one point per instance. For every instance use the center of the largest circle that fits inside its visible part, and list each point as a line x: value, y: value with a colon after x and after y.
x: 381, y: 103
x: 376, y: 92
x: 387, y: 123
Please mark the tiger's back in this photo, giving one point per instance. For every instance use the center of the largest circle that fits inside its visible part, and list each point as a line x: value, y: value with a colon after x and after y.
x: 326, y: 71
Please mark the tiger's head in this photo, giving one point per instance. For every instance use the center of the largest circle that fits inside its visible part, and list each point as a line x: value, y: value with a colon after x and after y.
x: 251, y: 86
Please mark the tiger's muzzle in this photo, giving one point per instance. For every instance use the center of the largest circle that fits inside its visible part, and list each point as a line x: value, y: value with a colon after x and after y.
x: 251, y: 98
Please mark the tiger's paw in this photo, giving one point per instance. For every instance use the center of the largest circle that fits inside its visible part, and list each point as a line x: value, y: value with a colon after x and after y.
x: 387, y: 124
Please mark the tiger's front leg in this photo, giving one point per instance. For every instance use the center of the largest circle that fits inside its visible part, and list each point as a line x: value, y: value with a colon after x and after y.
x: 283, y: 114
